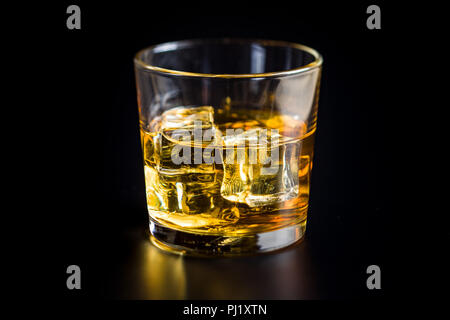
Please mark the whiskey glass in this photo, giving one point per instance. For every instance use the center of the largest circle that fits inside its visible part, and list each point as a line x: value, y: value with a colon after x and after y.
x: 227, y: 131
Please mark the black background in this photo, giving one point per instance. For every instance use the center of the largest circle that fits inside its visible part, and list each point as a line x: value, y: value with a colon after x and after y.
x: 94, y: 211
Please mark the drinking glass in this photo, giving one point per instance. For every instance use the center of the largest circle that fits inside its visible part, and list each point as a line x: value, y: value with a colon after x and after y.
x: 227, y: 130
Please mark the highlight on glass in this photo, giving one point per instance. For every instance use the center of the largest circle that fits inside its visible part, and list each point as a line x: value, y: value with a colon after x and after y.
x: 227, y: 130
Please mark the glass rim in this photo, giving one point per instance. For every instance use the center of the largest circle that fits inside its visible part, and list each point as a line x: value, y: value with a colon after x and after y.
x: 174, y: 45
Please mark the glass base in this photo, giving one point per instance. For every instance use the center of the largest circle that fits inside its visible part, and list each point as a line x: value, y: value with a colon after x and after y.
x: 192, y: 244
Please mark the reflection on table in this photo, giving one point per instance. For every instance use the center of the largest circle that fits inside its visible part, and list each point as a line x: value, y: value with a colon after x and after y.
x: 155, y: 274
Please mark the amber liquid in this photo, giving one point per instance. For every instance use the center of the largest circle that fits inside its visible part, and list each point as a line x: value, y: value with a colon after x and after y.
x: 242, y: 185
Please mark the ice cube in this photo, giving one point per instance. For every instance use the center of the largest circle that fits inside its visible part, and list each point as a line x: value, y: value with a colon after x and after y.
x: 188, y: 184
x: 184, y: 134
x: 184, y: 117
x: 189, y: 204
x: 260, y: 168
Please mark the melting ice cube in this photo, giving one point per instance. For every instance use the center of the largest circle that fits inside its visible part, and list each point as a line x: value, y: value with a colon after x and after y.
x: 260, y: 168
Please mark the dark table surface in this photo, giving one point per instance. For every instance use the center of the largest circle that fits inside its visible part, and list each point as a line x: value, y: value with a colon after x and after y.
x: 149, y: 273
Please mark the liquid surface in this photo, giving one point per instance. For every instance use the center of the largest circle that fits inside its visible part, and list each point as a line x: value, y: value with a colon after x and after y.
x: 228, y: 173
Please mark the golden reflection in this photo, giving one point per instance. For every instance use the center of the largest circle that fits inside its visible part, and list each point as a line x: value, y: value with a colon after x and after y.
x: 157, y: 274
x: 162, y: 274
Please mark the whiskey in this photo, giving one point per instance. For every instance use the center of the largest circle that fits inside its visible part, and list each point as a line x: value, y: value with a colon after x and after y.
x: 227, y: 173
